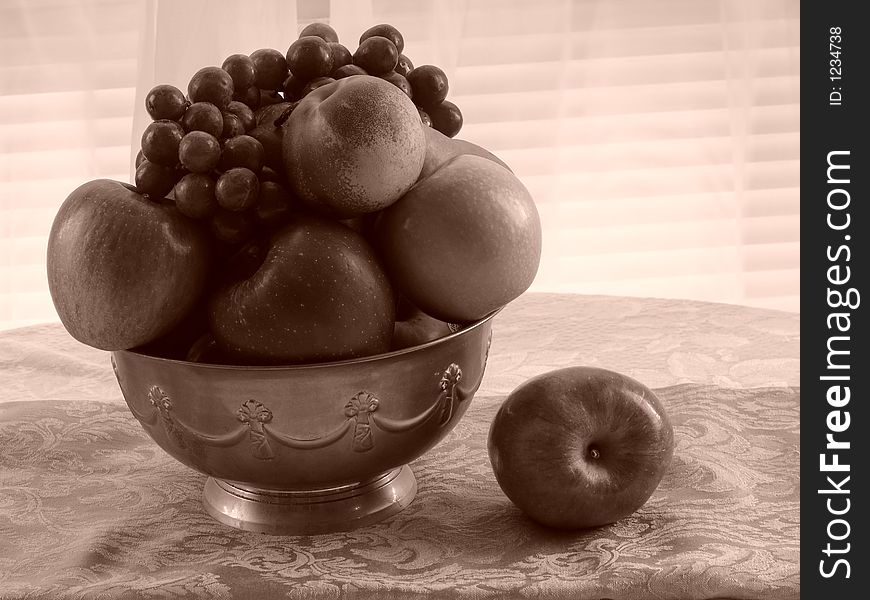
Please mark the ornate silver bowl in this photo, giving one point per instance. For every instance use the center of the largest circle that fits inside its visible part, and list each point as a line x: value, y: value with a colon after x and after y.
x: 308, y: 448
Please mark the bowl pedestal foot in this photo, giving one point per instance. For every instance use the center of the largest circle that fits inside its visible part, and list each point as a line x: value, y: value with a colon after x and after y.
x: 305, y: 512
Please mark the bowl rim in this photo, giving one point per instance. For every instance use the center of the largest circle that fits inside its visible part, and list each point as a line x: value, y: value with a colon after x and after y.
x: 383, y: 356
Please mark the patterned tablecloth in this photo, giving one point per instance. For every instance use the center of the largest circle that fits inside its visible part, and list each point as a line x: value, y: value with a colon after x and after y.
x: 90, y: 507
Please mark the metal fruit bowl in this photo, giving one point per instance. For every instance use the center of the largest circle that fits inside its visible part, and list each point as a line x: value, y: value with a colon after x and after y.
x: 307, y: 448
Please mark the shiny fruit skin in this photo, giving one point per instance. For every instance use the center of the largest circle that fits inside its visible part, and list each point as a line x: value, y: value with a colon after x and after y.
x: 580, y: 447
x: 237, y: 189
x: 319, y: 295
x: 123, y: 270
x: 241, y: 70
x: 321, y: 30
x: 243, y: 112
x: 165, y: 101
x: 211, y: 84
x: 384, y: 30
x: 203, y: 116
x: 160, y: 142
x: 194, y: 196
x: 199, y: 152
x: 446, y: 118
x: 377, y: 55
x: 270, y: 67
x: 233, y: 125
x: 462, y: 242
x: 340, y: 55
x: 404, y: 65
x: 242, y: 151
x: 154, y: 180
x: 309, y: 57
x: 429, y: 84
x: 353, y: 146
x: 399, y: 81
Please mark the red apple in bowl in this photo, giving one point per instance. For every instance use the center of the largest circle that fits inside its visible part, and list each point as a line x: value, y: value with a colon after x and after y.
x: 123, y: 270
x: 580, y: 447
x: 462, y: 242
x: 419, y: 328
x: 440, y: 149
x: 320, y: 294
x: 354, y: 146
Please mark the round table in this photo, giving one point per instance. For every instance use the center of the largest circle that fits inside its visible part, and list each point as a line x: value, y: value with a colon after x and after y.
x: 90, y: 507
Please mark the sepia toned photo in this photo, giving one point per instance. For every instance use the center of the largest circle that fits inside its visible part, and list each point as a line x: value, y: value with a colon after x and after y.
x: 385, y: 299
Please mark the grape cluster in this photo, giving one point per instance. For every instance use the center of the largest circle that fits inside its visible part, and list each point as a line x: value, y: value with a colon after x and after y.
x: 216, y: 151
x: 201, y: 151
x: 318, y: 58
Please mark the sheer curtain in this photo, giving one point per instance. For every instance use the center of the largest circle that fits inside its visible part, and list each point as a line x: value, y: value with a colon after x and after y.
x: 660, y: 138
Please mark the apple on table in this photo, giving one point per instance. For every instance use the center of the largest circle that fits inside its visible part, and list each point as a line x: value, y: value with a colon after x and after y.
x: 580, y: 447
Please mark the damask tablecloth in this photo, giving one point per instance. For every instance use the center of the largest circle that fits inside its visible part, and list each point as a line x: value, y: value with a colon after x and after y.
x: 90, y: 507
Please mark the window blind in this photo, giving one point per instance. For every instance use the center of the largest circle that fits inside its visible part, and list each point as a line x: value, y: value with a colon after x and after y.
x: 659, y: 138
x: 67, y: 82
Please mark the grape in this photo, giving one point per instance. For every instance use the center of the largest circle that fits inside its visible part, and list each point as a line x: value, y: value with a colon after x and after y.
x: 160, y: 142
x: 154, y: 180
x: 275, y: 203
x: 165, y: 102
x: 316, y: 83
x: 232, y: 227
x: 203, y: 116
x: 271, y: 139
x: 140, y: 156
x: 321, y: 30
x: 241, y: 70
x: 399, y: 81
x: 347, y: 71
x: 233, y: 125
x: 293, y: 87
x: 243, y: 112
x: 242, y: 151
x: 270, y: 67
x: 309, y: 57
x: 377, y: 55
x: 424, y: 116
x: 199, y: 152
x: 237, y: 189
x: 429, y: 85
x: 340, y: 55
x: 195, y: 195
x: 211, y: 84
x: 446, y: 118
x: 250, y: 96
x: 387, y: 31
x: 404, y: 65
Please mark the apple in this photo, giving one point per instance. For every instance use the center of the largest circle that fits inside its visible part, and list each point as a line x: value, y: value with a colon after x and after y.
x: 353, y: 146
x: 418, y: 329
x: 580, y: 446
x: 462, y: 242
x: 123, y: 270
x: 440, y: 149
x: 320, y: 294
